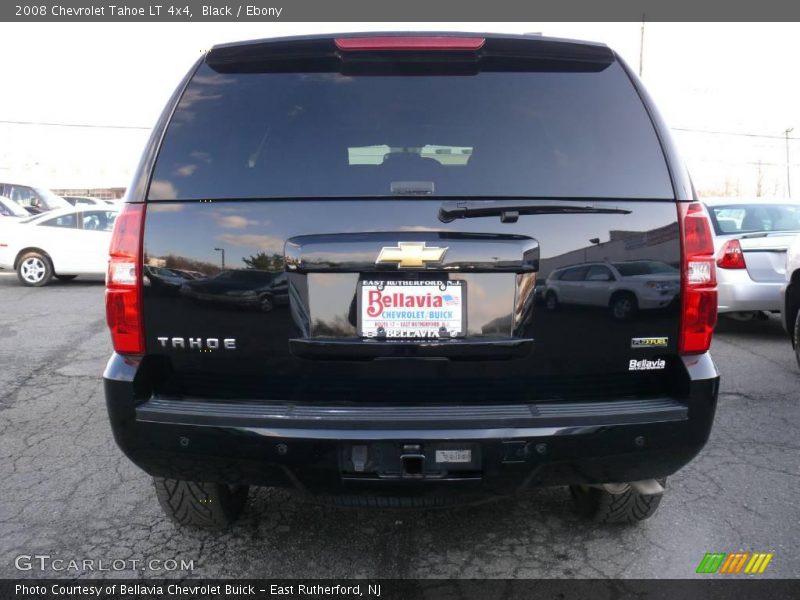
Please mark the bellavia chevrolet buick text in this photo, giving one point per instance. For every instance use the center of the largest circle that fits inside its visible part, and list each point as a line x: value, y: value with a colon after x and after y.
x: 410, y: 191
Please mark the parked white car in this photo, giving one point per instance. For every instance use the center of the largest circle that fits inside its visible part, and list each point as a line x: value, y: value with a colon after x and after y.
x: 790, y: 296
x: 83, y: 201
x: 9, y: 208
x: 62, y: 243
x: 750, y: 241
x: 623, y: 287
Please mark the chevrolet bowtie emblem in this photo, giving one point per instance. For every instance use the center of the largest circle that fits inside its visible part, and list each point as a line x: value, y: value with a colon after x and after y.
x: 410, y: 255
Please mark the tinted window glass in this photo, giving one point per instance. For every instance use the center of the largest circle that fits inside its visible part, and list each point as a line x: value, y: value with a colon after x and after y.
x: 50, y: 200
x: 99, y: 220
x: 599, y: 273
x: 69, y: 220
x: 551, y: 134
x: 578, y: 274
x: 23, y: 195
x: 645, y: 267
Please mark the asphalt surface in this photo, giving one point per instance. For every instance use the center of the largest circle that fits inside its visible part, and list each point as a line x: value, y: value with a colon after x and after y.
x: 69, y: 493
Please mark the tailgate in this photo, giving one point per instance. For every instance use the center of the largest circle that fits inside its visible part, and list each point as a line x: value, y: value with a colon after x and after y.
x: 287, y: 316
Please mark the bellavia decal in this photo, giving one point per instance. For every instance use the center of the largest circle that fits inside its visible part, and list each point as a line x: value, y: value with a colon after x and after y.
x: 647, y: 365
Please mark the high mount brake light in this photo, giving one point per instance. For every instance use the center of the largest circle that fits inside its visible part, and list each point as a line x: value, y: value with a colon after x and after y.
x: 124, y: 282
x: 405, y: 43
x: 698, y: 280
x: 731, y: 256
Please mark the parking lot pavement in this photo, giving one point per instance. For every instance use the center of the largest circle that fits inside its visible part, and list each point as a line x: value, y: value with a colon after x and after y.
x: 70, y: 493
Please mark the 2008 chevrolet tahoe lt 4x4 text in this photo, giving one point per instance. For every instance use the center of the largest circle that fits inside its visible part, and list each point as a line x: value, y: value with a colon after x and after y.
x: 406, y: 270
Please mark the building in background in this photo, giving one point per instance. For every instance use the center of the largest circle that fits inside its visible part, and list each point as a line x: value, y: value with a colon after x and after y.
x: 94, y: 161
x: 112, y: 193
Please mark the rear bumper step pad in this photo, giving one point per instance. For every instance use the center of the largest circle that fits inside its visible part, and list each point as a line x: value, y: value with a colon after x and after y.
x: 289, y: 415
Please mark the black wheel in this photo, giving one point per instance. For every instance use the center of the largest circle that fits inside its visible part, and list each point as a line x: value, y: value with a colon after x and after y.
x: 797, y: 337
x: 551, y: 301
x: 65, y: 277
x: 623, y: 306
x: 603, y: 507
x: 34, y: 269
x: 209, y: 505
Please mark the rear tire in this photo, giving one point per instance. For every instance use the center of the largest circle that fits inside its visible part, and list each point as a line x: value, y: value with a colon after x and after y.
x: 34, y: 269
x: 199, y: 504
x: 797, y: 337
x: 742, y: 316
x: 65, y: 277
x: 551, y: 301
x: 623, y: 306
x: 603, y: 507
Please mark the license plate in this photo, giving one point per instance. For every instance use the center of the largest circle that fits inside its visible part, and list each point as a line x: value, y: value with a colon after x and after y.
x: 412, y: 309
x: 453, y: 456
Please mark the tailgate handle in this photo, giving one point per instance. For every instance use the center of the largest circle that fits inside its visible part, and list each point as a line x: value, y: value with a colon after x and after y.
x: 359, y: 349
x: 462, y: 252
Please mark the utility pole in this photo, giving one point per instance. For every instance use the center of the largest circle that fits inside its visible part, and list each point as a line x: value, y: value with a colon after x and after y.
x: 788, y: 164
x: 641, y: 49
x: 222, y: 250
x: 759, y: 179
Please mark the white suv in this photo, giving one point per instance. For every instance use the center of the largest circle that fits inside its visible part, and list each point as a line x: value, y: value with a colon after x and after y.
x: 623, y: 287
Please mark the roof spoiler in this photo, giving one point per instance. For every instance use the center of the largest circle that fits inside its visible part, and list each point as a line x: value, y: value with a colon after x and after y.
x: 338, y: 53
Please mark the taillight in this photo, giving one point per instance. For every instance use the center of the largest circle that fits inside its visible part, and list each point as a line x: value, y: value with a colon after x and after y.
x: 698, y: 280
x: 124, y: 281
x: 731, y: 256
x: 422, y: 43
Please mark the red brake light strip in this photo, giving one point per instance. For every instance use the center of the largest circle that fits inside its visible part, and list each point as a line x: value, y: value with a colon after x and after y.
x: 405, y: 43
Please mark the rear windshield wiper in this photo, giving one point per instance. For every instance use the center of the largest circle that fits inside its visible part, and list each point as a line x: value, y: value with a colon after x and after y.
x: 510, y: 211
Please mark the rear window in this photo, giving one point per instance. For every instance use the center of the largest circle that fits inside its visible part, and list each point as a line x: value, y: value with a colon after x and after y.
x: 644, y: 267
x: 752, y: 218
x: 522, y: 134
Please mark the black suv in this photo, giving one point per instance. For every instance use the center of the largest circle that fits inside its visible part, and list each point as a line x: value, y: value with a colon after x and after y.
x: 398, y: 197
